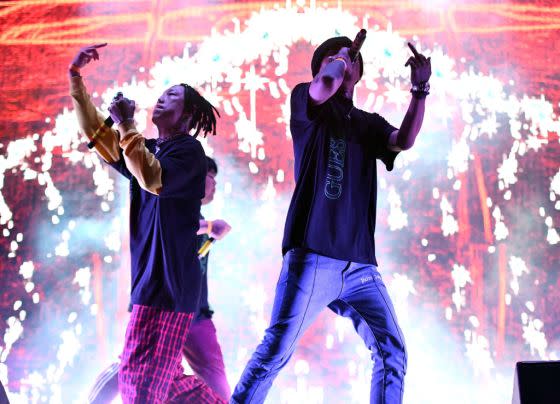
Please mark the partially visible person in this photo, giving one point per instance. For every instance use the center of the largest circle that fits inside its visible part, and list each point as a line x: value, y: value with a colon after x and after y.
x: 3, y: 395
x: 167, y: 181
x: 201, y: 350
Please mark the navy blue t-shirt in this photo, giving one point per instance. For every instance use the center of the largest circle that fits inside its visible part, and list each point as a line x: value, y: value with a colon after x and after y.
x: 333, y: 207
x: 163, y: 244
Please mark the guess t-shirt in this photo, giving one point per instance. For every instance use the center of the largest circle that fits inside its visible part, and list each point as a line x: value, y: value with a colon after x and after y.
x: 333, y: 208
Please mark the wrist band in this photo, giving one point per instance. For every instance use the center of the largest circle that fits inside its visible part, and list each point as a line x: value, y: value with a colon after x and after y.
x: 419, y: 95
x: 343, y: 61
x: 208, y: 226
x: 74, y: 68
x: 74, y: 71
x: 420, y: 91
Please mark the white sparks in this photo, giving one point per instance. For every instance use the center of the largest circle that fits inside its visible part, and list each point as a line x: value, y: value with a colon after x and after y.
x: 534, y: 336
x: 507, y: 171
x: 449, y: 225
x: 500, y: 231
x: 397, y: 219
x: 458, y: 158
x: 478, y: 352
x: 83, y: 279
x: 518, y: 268
x: 461, y: 276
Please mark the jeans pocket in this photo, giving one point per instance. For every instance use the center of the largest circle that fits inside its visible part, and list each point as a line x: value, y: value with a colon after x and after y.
x: 299, y: 255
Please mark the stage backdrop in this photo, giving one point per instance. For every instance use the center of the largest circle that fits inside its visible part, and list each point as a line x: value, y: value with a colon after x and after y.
x: 468, y: 221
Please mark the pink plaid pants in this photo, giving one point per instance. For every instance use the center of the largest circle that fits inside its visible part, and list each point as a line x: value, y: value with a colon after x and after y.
x: 151, y: 370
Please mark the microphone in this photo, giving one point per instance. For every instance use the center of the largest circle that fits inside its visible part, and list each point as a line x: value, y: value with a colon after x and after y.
x: 205, y: 248
x: 107, y: 123
x: 356, y: 45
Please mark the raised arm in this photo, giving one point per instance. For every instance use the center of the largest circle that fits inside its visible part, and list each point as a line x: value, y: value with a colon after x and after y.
x: 89, y: 118
x: 421, y: 70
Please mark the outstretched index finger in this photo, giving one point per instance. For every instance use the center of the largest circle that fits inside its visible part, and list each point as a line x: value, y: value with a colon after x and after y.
x: 413, y: 49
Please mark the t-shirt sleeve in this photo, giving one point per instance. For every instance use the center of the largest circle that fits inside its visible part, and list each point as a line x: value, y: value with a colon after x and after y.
x: 380, y: 130
x: 302, y: 112
x: 183, y: 173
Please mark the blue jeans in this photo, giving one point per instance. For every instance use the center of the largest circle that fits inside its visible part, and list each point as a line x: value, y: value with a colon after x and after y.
x: 309, y: 282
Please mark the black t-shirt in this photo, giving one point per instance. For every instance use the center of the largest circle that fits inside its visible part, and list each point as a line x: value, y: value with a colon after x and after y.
x: 333, y: 207
x: 163, y: 245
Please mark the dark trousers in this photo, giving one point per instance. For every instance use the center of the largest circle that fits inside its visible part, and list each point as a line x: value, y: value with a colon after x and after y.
x: 308, y: 282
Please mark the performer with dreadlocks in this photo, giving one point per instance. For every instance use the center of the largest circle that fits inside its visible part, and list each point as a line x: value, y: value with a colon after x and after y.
x: 202, y: 349
x: 167, y: 181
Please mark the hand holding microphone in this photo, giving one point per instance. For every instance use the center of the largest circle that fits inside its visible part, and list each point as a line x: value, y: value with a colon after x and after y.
x: 217, y: 229
x: 350, y: 55
x: 122, y: 109
x: 357, y: 45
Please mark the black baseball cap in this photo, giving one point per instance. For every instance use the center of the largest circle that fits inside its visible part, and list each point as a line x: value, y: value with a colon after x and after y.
x: 332, y: 44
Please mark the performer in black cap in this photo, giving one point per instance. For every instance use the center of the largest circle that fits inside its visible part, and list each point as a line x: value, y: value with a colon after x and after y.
x: 329, y: 249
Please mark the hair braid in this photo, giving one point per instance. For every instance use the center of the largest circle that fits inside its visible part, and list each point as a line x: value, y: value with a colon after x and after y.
x: 203, y: 113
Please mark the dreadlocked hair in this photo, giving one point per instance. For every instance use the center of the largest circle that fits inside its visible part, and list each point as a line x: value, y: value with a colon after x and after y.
x: 203, y: 113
